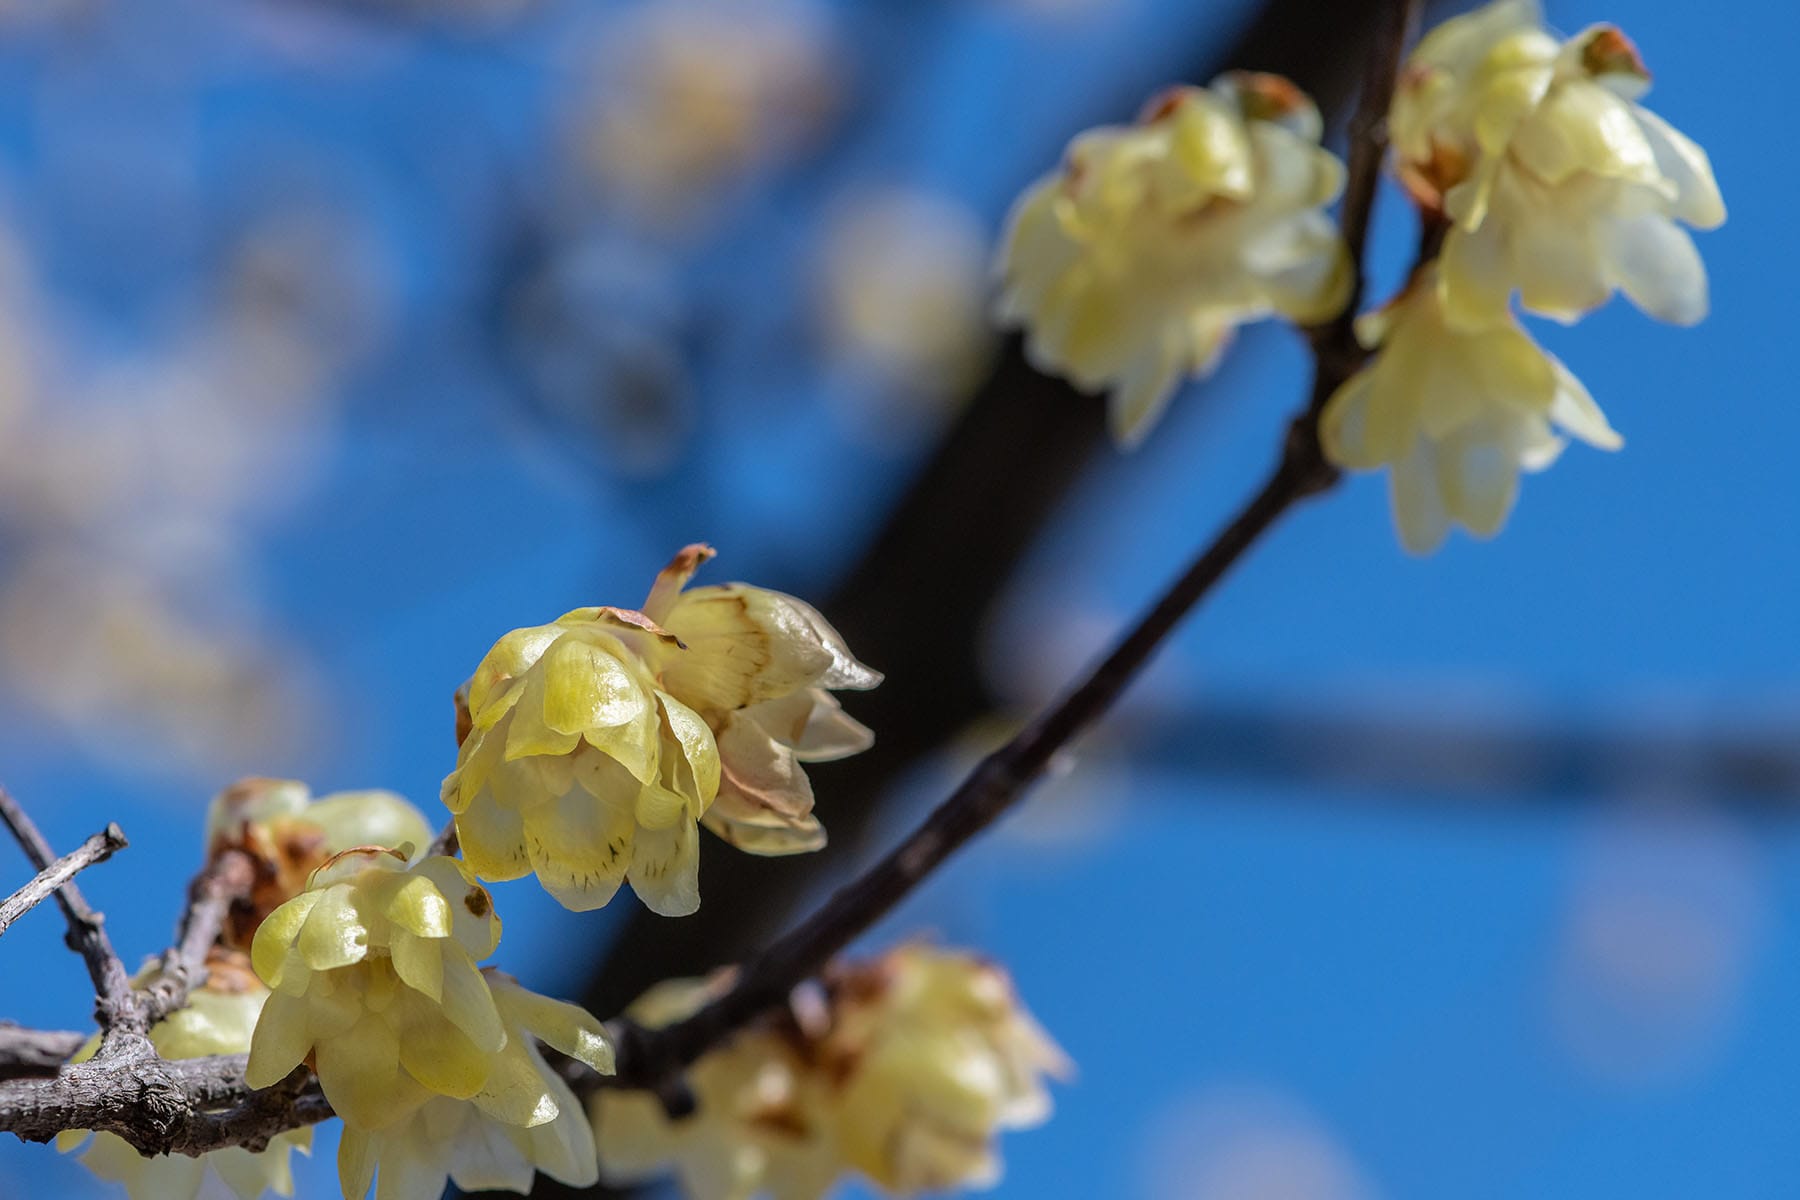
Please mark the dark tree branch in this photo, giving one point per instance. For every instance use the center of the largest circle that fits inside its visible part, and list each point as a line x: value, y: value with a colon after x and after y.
x: 161, y: 1106
x: 96, y: 849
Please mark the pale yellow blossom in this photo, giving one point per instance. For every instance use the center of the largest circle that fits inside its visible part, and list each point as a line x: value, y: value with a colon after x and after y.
x: 522, y: 1121
x: 937, y: 1057
x: 1455, y: 414
x: 761, y: 1126
x: 597, y: 743
x: 1557, y: 184
x: 218, y: 1019
x: 375, y: 984
x: 903, y: 1069
x: 1132, y: 265
x: 759, y: 666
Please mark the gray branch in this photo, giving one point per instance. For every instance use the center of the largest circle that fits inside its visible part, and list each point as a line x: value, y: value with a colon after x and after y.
x: 96, y: 849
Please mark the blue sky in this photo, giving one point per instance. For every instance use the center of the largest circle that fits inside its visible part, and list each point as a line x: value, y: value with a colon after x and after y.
x: 1265, y: 984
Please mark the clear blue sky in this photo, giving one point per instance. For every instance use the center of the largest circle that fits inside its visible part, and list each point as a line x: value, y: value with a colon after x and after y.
x: 1267, y: 984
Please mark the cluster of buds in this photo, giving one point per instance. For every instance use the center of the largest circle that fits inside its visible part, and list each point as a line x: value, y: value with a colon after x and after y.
x: 597, y: 744
x: 1537, y: 173
x: 902, y: 1069
x: 1549, y: 183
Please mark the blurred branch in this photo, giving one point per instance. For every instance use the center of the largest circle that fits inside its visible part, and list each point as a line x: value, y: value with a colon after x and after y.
x: 1510, y: 762
x: 96, y: 849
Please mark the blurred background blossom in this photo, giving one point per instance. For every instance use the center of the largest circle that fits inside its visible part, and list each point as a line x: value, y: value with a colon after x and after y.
x: 339, y: 336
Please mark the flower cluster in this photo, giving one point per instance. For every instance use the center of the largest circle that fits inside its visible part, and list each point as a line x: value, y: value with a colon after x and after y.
x: 1132, y: 266
x: 904, y: 1072
x: 1550, y: 183
x: 431, y: 1063
x: 597, y: 744
x: 218, y: 1019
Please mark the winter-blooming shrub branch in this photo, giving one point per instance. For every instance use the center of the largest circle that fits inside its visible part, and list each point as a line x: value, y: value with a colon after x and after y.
x: 329, y: 962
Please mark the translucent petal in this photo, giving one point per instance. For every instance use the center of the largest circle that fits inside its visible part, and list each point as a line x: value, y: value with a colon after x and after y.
x: 355, y: 1162
x: 1574, y: 409
x: 588, y: 687
x: 438, y: 1054
x: 1479, y: 480
x: 278, y: 931
x: 418, y: 963
x: 1657, y: 265
x: 360, y: 1073
x: 1418, y: 508
x: 568, y: 1027
x: 580, y: 846
x: 493, y: 839
x: 281, y: 1042
x: 468, y: 1003
x: 1685, y: 165
x: 473, y: 922
x: 665, y: 869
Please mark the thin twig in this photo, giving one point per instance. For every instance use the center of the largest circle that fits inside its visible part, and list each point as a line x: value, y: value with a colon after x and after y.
x: 654, y: 1058
x: 227, y: 879
x: 96, y: 849
x: 114, y: 1004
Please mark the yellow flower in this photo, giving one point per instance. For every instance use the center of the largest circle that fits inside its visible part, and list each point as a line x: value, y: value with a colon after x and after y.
x: 759, y: 667
x: 1131, y: 266
x: 936, y: 1056
x: 1456, y: 414
x: 289, y: 835
x: 523, y: 1120
x: 374, y: 977
x: 760, y: 1127
x: 1557, y: 184
x: 904, y: 1070
x: 219, y: 1019
x: 591, y: 754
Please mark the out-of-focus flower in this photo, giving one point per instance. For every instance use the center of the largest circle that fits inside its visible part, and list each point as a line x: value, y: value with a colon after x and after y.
x: 902, y: 286
x: 1455, y: 414
x: 1131, y: 266
x: 937, y: 1056
x: 691, y: 96
x: 524, y: 1120
x: 289, y: 835
x: 598, y: 742
x: 1557, y: 184
x: 374, y: 976
x: 903, y: 1069
x: 761, y: 1125
x: 218, y: 1019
